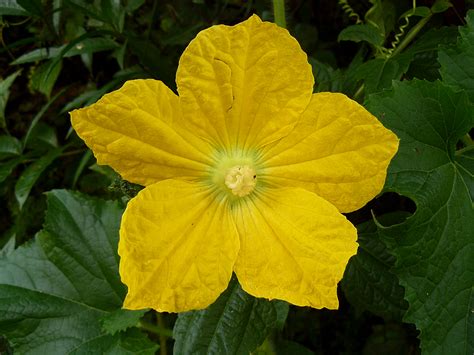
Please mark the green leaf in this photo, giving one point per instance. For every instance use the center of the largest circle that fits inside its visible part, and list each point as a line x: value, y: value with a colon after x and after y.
x: 34, y: 7
x: 55, y: 290
x: 236, y: 323
x: 379, y: 73
x: 9, y: 146
x: 121, y: 319
x: 88, y: 45
x: 4, y: 93
x: 424, y: 52
x: 6, y: 167
x: 44, y: 77
x: 457, y: 62
x: 441, y: 6
x: 364, y: 32
x: 368, y: 283
x: 11, y: 7
x: 435, y: 247
x: 32, y: 173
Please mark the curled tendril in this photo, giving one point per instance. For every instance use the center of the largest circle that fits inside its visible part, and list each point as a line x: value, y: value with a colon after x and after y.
x: 349, y: 11
x: 401, y: 29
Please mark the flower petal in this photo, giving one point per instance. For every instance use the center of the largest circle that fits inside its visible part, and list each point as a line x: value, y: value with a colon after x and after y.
x: 244, y: 85
x: 177, y: 247
x: 294, y: 246
x: 338, y: 150
x: 136, y: 130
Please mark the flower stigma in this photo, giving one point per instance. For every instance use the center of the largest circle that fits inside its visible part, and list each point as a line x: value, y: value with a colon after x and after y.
x: 241, y: 180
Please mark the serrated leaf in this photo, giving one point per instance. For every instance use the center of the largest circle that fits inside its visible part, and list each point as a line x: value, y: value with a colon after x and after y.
x: 435, y: 247
x: 457, y: 62
x: 55, y: 290
x: 368, y: 283
x: 5, y: 93
x: 9, y: 146
x: 121, y: 319
x: 363, y: 32
x: 236, y: 323
x: 32, y: 173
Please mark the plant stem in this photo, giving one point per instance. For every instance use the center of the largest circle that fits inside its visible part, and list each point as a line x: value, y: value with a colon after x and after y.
x: 155, y: 329
x: 279, y: 12
x: 359, y: 92
x: 411, y: 35
x: 161, y: 324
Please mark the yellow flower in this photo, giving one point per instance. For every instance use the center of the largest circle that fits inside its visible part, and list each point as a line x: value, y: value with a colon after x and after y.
x: 245, y: 171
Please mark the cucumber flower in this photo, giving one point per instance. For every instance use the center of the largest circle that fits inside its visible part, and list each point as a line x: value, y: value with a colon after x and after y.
x: 246, y: 171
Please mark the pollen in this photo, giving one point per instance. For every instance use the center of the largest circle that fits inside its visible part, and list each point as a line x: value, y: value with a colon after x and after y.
x: 241, y: 180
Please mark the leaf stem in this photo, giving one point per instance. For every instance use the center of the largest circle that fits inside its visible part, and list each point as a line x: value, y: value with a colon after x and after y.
x: 411, y: 35
x: 155, y: 329
x: 279, y: 12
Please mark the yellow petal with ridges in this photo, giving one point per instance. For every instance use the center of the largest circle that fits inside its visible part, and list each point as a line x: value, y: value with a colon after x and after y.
x: 137, y: 130
x: 294, y: 246
x: 177, y: 246
x: 245, y: 85
x: 338, y: 150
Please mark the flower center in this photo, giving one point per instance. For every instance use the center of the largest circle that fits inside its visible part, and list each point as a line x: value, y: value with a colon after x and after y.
x: 241, y: 180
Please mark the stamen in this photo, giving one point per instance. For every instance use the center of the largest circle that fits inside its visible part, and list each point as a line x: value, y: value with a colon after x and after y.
x: 241, y: 180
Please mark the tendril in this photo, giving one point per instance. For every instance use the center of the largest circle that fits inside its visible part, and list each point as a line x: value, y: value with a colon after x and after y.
x: 349, y: 11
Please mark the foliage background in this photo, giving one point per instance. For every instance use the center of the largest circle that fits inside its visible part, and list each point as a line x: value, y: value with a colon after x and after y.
x: 411, y: 283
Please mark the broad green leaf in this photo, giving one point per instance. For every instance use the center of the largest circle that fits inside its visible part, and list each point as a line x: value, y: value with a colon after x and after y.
x: 88, y: 45
x: 368, y: 283
x: 435, y: 247
x: 236, y: 323
x: 32, y: 173
x: 363, y: 32
x: 55, y: 290
x: 457, y: 61
x: 121, y: 319
x: 11, y: 7
x: 4, y: 93
x: 9, y: 146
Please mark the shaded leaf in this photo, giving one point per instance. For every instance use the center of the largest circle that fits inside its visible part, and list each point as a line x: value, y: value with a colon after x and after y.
x: 11, y: 7
x: 368, y: 283
x: 6, y: 167
x: 435, y: 247
x: 9, y: 146
x: 55, y: 290
x: 45, y: 76
x: 363, y: 32
x: 4, y: 93
x: 88, y: 45
x: 457, y: 62
x: 28, y: 178
x: 236, y: 323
